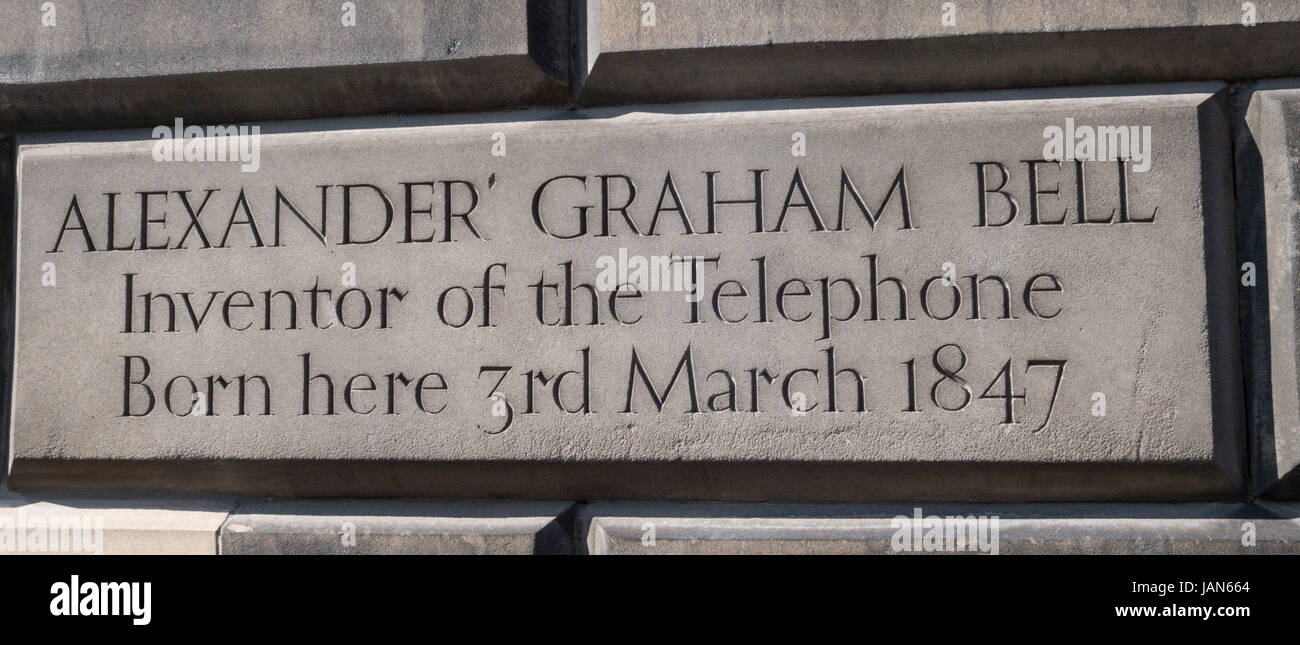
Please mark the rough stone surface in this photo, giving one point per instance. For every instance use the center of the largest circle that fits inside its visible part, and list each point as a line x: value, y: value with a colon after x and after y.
x: 142, y: 62
x: 1268, y: 171
x: 702, y: 528
x: 137, y: 525
x: 1003, y: 407
x: 764, y: 48
x: 386, y: 527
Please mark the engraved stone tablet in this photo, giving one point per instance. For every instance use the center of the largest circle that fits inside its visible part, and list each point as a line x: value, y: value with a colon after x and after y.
x: 1028, y: 298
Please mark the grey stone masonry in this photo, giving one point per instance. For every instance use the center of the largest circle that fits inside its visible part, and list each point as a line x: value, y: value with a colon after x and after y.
x: 116, y: 525
x: 87, y: 63
x: 650, y: 276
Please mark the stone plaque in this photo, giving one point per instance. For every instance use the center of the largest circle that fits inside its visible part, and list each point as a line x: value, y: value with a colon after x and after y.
x: 1026, y: 298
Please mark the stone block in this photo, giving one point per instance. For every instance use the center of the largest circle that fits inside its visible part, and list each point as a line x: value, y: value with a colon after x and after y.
x: 686, y: 50
x: 1268, y: 169
x: 824, y: 300
x: 650, y: 528
x: 84, y: 63
x: 82, y: 525
x: 395, y: 527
